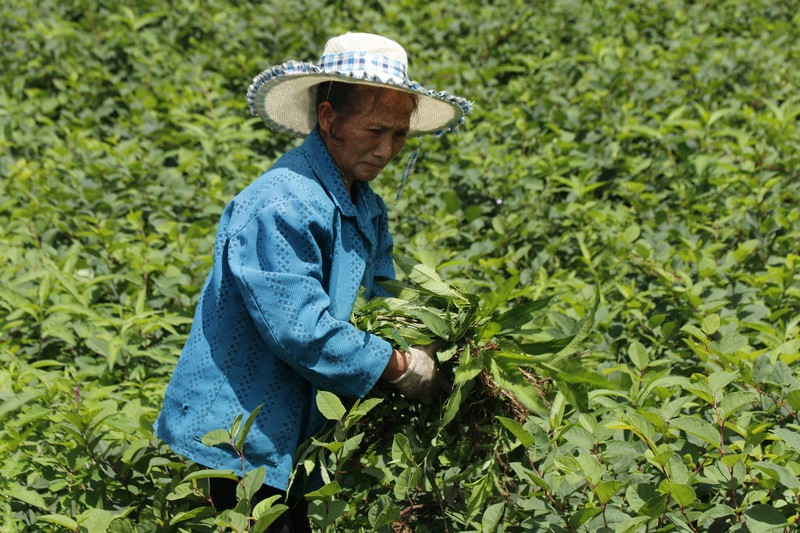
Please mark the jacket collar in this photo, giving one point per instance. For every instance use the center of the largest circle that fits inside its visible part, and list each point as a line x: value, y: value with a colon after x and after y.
x: 329, y: 175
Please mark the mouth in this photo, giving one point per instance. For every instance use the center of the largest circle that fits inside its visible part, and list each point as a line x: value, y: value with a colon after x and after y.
x: 374, y: 167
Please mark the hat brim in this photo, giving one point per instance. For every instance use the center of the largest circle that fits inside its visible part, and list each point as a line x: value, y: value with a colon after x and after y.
x: 284, y: 98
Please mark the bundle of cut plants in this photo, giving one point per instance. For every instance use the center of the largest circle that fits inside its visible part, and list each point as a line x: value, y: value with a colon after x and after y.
x: 502, y: 360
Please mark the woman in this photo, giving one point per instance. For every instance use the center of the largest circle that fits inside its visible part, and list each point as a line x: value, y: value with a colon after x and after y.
x: 292, y: 250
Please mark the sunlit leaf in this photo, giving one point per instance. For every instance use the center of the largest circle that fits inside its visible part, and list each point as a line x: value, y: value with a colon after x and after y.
x: 330, y: 406
x: 698, y: 428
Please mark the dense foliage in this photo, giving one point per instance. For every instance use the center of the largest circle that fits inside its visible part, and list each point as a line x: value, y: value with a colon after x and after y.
x: 646, y: 152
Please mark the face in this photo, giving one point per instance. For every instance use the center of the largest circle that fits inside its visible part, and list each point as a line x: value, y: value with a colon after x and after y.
x: 364, y: 142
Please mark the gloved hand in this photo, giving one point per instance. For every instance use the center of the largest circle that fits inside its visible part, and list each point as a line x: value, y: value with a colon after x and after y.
x: 422, y: 380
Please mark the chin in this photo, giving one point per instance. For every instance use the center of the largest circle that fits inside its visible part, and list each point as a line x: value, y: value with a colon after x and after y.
x: 368, y: 177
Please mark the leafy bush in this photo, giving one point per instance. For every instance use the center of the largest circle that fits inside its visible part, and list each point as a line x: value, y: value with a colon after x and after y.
x: 646, y: 152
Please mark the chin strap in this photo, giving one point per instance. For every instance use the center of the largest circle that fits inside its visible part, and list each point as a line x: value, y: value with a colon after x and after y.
x: 412, y: 160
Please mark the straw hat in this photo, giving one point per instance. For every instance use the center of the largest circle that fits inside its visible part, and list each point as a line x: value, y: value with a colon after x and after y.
x: 284, y: 95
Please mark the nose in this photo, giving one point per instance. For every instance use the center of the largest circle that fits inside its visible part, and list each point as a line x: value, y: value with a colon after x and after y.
x: 384, y: 147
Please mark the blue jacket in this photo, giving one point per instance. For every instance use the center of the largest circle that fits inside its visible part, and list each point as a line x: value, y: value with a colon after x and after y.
x: 272, y: 323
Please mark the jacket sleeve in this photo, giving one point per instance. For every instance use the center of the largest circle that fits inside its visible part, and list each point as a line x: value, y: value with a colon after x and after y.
x: 278, y: 264
x: 384, y: 264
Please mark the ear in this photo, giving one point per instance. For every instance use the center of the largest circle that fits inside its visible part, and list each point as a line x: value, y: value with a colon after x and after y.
x: 325, y: 117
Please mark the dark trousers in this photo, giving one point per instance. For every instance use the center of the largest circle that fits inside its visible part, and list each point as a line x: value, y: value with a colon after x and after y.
x: 294, y: 520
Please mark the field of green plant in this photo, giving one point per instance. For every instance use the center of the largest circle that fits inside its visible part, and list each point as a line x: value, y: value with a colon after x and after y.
x: 610, y: 246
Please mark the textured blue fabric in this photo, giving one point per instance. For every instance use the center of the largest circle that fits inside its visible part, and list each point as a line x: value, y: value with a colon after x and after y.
x: 272, y: 323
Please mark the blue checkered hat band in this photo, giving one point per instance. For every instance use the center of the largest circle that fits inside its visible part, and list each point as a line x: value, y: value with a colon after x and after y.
x: 373, y: 64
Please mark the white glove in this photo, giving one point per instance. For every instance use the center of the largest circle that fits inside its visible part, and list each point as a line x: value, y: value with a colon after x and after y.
x: 422, y: 379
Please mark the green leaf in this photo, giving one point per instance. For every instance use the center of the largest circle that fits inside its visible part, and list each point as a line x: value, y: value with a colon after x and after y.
x: 734, y: 401
x: 181, y: 491
x: 638, y: 424
x: 231, y: 519
x: 719, y: 510
x: 28, y: 496
x: 590, y: 466
x: 580, y: 438
x: 576, y: 393
x: 383, y: 513
x: 330, y: 405
x: 546, y: 347
x: 790, y: 437
x: 455, y: 401
x: 481, y: 492
x: 488, y: 331
x: 439, y: 326
x: 211, y: 473
x: 446, y: 354
x: 253, y: 480
x: 500, y: 296
x: 510, y: 379
x: 585, y: 326
x: 778, y: 473
x: 678, y: 473
x: 518, y: 431
x: 638, y: 355
x: 637, y: 494
x: 699, y: 428
x: 538, y: 480
x: 631, y: 233
x: 405, y: 482
x: 60, y: 520
x: 660, y: 457
x: 240, y: 439
x: 581, y: 516
x: 762, y: 518
x: 793, y: 399
x: 216, y: 437
x: 350, y: 446
x: 631, y: 525
x: 492, y: 517
x: 683, y: 494
x: 266, y: 513
x: 333, y: 446
x: 574, y: 372
x: 655, y: 506
x: 557, y: 409
x: 365, y: 406
x: 427, y: 278
x: 607, y: 489
x: 519, y: 315
x: 695, y: 332
x: 401, y: 290
x: 730, y: 460
x: 744, y: 249
x: 468, y: 368
x: 97, y: 519
x: 237, y: 423
x: 328, y: 491
x: 191, y: 515
x: 401, y: 450
x: 733, y: 343
x: 21, y: 399
x: 719, y: 380
x: 702, y: 390
x: 711, y: 324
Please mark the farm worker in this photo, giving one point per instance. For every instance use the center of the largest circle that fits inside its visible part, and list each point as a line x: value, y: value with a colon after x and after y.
x: 293, y: 248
